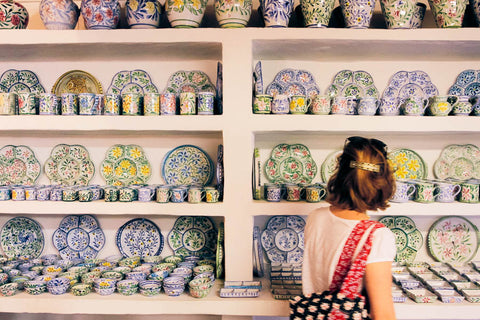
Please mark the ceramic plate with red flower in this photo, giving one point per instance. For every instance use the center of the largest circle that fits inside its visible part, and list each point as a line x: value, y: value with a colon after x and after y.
x: 18, y: 165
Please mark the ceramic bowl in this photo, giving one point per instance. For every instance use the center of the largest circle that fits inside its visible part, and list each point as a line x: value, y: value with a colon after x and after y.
x: 152, y: 259
x: 201, y: 283
x: 100, y: 268
x: 206, y: 262
x: 187, y: 264
x: 172, y: 281
x: 58, y: 285
x: 173, y: 292
x: 131, y: 262
x: 115, y: 275
x: 81, y: 289
x: 198, y: 292
x: 45, y: 277
x: 3, y: 278
x: 128, y: 291
x: 127, y: 283
x: 150, y: 288
x: 104, y: 291
x: 104, y: 283
x: 173, y: 259
x: 203, y: 268
x: 159, y: 275
x: 139, y: 276
x: 35, y: 287
x: 192, y: 258
x: 20, y: 281
x: 123, y: 270
x: 163, y: 266
x: 147, y: 268
x: 14, y: 272
x: 209, y: 275
x: 8, y: 289
x: 52, y: 269
x: 89, y: 277
x: 78, y: 269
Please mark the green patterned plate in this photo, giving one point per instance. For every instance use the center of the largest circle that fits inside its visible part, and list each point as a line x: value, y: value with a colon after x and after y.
x: 329, y: 165
x: 134, y: 81
x: 408, y: 164
x: 408, y: 239
x: 22, y: 237
x: 460, y: 162
x: 189, y: 81
x: 193, y: 236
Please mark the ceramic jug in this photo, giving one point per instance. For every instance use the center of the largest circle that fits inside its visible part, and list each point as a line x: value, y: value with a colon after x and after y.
x: 100, y: 14
x: 59, y: 14
x: 414, y: 106
x: 233, y: 14
x: 462, y: 106
x: 143, y: 14
x: 439, y: 105
x: 13, y: 15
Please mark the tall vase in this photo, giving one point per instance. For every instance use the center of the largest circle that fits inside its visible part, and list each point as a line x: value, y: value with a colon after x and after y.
x: 233, y: 13
x: 398, y: 14
x: 13, y: 15
x: 101, y: 14
x: 317, y: 13
x: 276, y: 13
x: 448, y: 13
x: 143, y: 14
x: 357, y: 13
x: 185, y: 13
x: 59, y: 14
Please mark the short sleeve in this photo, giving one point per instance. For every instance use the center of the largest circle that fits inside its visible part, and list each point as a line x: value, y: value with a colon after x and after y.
x: 383, y: 246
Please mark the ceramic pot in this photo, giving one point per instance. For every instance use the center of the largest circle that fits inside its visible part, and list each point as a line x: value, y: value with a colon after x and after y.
x: 462, y: 106
x: 185, y: 13
x: 233, y: 13
x: 317, y: 13
x: 448, y: 13
x: 398, y: 13
x: 357, y: 13
x: 417, y: 19
x: 276, y: 13
x: 59, y: 14
x: 143, y: 14
x: 13, y: 15
x: 100, y: 14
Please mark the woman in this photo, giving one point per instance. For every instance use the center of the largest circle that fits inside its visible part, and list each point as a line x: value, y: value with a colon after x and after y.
x: 363, y: 181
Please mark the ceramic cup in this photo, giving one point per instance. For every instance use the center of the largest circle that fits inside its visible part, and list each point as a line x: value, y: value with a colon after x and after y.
x: 30, y: 193
x: 69, y: 194
x: 262, y: 103
x: 85, y: 195
x: 320, y: 104
x: 8, y: 103
x: 112, y: 104
x: 426, y: 191
x: 151, y: 104
x: 469, y: 192
x: 48, y: 104
x: 179, y: 194
x: 132, y: 104
x: 357, y: 14
x: 110, y: 193
x: 43, y: 193
x: 340, y: 105
x: 195, y: 195
x: 277, y: 13
x: 447, y: 191
x: 18, y: 193
x: 5, y: 193
x: 273, y: 193
x: 298, y: 104
x: 448, y: 13
x: 163, y: 194
x: 367, y: 106
x: 168, y: 104
x: 205, y: 103
x: 69, y: 104
x: 27, y: 103
x: 211, y: 195
x: 462, y: 106
x: 87, y: 104
x: 56, y: 193
x: 317, y: 13
x: 280, y: 104
x: 398, y: 14
x: 439, y: 105
x: 127, y: 194
x: 293, y: 192
x: 414, y: 106
x: 97, y: 191
x: 403, y: 191
x: 389, y: 107
x: 187, y: 103
x: 146, y: 194
x: 315, y: 193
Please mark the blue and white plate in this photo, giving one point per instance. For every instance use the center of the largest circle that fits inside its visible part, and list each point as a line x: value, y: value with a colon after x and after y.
x: 293, y: 82
x: 20, y: 81
x: 283, y: 239
x: 134, y: 81
x: 22, y: 237
x: 193, y: 236
x: 404, y: 84
x: 258, y: 77
x: 466, y: 84
x: 258, y: 267
x: 219, y: 88
x: 139, y: 237
x: 353, y: 83
x: 78, y: 236
x: 186, y: 165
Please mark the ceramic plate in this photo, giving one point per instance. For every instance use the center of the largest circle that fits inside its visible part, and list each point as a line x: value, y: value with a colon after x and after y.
x: 134, y: 81
x: 329, y: 165
x: 258, y: 78
x: 219, y: 170
x: 404, y: 84
x: 408, y: 238
x: 189, y: 81
x: 22, y: 237
x: 124, y: 165
x: 293, y: 82
x: 219, y: 88
x: 77, y: 81
x: 353, y: 83
x: 69, y: 165
x: 460, y: 162
x: 139, y: 237
x: 18, y: 165
x: 466, y: 84
x: 453, y: 239
x: 193, y: 236
x: 186, y: 165
x: 408, y: 164
x: 78, y: 236
x: 20, y: 81
x: 283, y: 239
x: 258, y: 267
x: 219, y: 251
x: 290, y: 163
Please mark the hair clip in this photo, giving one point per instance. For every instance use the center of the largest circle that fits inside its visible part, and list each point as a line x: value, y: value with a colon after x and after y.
x: 365, y: 166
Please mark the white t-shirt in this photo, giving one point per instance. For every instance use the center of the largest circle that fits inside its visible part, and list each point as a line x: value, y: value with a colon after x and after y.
x: 325, y: 237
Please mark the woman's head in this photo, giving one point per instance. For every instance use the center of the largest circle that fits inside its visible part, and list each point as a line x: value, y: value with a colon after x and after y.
x: 364, y: 179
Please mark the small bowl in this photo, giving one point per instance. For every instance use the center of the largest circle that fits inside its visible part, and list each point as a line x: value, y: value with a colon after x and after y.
x: 139, y: 276
x: 147, y: 268
x: 35, y: 287
x: 52, y: 269
x: 127, y: 291
x: 198, y: 292
x: 173, y: 259
x: 8, y: 289
x: 150, y: 288
x: 127, y: 283
x: 3, y: 278
x: 152, y: 259
x: 131, y: 262
x: 104, y: 283
x: 89, y: 277
x: 173, y: 292
x: 123, y: 270
x: 203, y: 268
x: 159, y: 275
x: 19, y: 281
x: 104, y: 291
x: 168, y: 266
x: 78, y: 269
x: 115, y: 275
x: 58, y: 286
x: 174, y: 281
x: 201, y: 283
x: 81, y: 289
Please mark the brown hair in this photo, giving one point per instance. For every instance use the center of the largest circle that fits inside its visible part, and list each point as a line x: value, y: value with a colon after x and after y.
x: 360, y: 189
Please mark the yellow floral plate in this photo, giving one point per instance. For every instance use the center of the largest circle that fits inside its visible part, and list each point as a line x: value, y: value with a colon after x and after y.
x: 407, y: 164
x: 77, y: 81
x: 124, y: 165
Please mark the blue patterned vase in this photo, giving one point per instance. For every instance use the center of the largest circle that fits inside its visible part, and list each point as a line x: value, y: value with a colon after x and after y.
x: 357, y: 13
x: 59, y: 14
x: 13, y: 15
x: 101, y: 14
x: 143, y: 14
x: 276, y: 13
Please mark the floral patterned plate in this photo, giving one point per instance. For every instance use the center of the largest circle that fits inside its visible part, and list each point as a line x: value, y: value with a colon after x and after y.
x: 186, y: 165
x: 78, y: 236
x: 453, y: 239
x: 139, y: 237
x: 466, y: 84
x: 20, y: 81
x: 291, y: 163
x: 77, y: 81
x: 283, y: 239
x: 193, y: 236
x: 69, y: 165
x: 353, y: 83
x: 22, y: 237
x: 404, y: 84
x: 460, y: 162
x: 408, y: 238
x: 124, y: 165
x: 329, y: 165
x: 292, y: 82
x: 189, y: 81
x: 18, y: 165
x: 134, y: 81
x: 408, y: 164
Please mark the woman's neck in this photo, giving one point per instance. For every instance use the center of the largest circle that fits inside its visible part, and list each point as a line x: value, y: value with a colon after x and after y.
x: 349, y: 214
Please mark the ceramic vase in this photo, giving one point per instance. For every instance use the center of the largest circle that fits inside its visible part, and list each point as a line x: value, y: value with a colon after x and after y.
x: 185, y: 13
x: 233, y: 13
x: 448, y: 13
x: 101, y: 14
x: 398, y: 14
x: 143, y: 14
x: 276, y: 13
x: 357, y: 13
x: 317, y: 13
x: 419, y: 14
x: 59, y: 14
x: 13, y: 15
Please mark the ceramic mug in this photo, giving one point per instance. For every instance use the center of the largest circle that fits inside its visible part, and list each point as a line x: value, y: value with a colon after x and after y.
x: 18, y: 193
x: 5, y: 193
x: 426, y: 191
x: 179, y: 194
x: 168, y: 104
x: 469, y: 192
x: 298, y: 104
x: 206, y: 102
x: 151, y: 104
x: 280, y: 104
x: 110, y: 193
x: 414, y: 106
x: 69, y: 194
x: 403, y: 191
x: 398, y: 14
x: 187, y: 103
x: 30, y: 193
x: 293, y: 192
x: 389, y: 106
x: 277, y: 13
x: 340, y: 105
x: 447, y: 191
x: 112, y: 104
x: 69, y: 104
x: 146, y: 194
x: 367, y: 106
x: 320, y: 104
x: 85, y: 195
x: 262, y: 103
x: 87, y: 104
x: 211, y: 195
x: 56, y: 193
x: 132, y: 104
x: 27, y: 103
x: 163, y: 194
x: 439, y: 105
x: 48, y: 104
x: 462, y: 106
x: 195, y: 195
x: 97, y: 191
x: 127, y: 194
x: 8, y: 103
x: 273, y: 193
x: 43, y: 193
x: 315, y: 193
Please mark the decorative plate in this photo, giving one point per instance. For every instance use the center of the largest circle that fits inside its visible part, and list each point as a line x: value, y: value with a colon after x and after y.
x: 353, y: 83
x: 77, y: 81
x: 193, y: 236
x: 22, y: 237
x: 219, y: 88
x: 283, y: 239
x: 189, y: 81
x: 293, y: 82
x: 329, y: 165
x: 124, y: 165
x: 404, y: 84
x: 258, y: 78
x: 290, y: 163
x: 134, y: 81
x: 139, y: 237
x: 453, y: 239
x: 78, y: 236
x: 69, y: 165
x: 20, y: 81
x: 408, y: 164
x: 466, y: 84
x: 219, y: 170
x: 461, y: 162
x: 186, y: 165
x: 408, y: 238
x: 219, y: 251
x: 258, y: 266
x: 18, y: 165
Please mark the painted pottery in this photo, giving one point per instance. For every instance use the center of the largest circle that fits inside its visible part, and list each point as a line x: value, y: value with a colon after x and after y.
x: 367, y: 106
x: 100, y: 14
x: 440, y: 105
x: 403, y: 191
x: 418, y: 15
x: 13, y: 15
x: 276, y: 13
x: 320, y: 104
x: 414, y: 106
x: 59, y: 14
x: 27, y: 102
x: 476, y: 105
x: 233, y: 14
x: 298, y: 104
x: 317, y: 14
x: 357, y: 13
x: 462, y: 106
x: 281, y: 104
x: 398, y: 13
x: 143, y: 14
x: 8, y: 103
x: 185, y: 13
x: 262, y: 103
x: 448, y: 13
x: 447, y: 191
